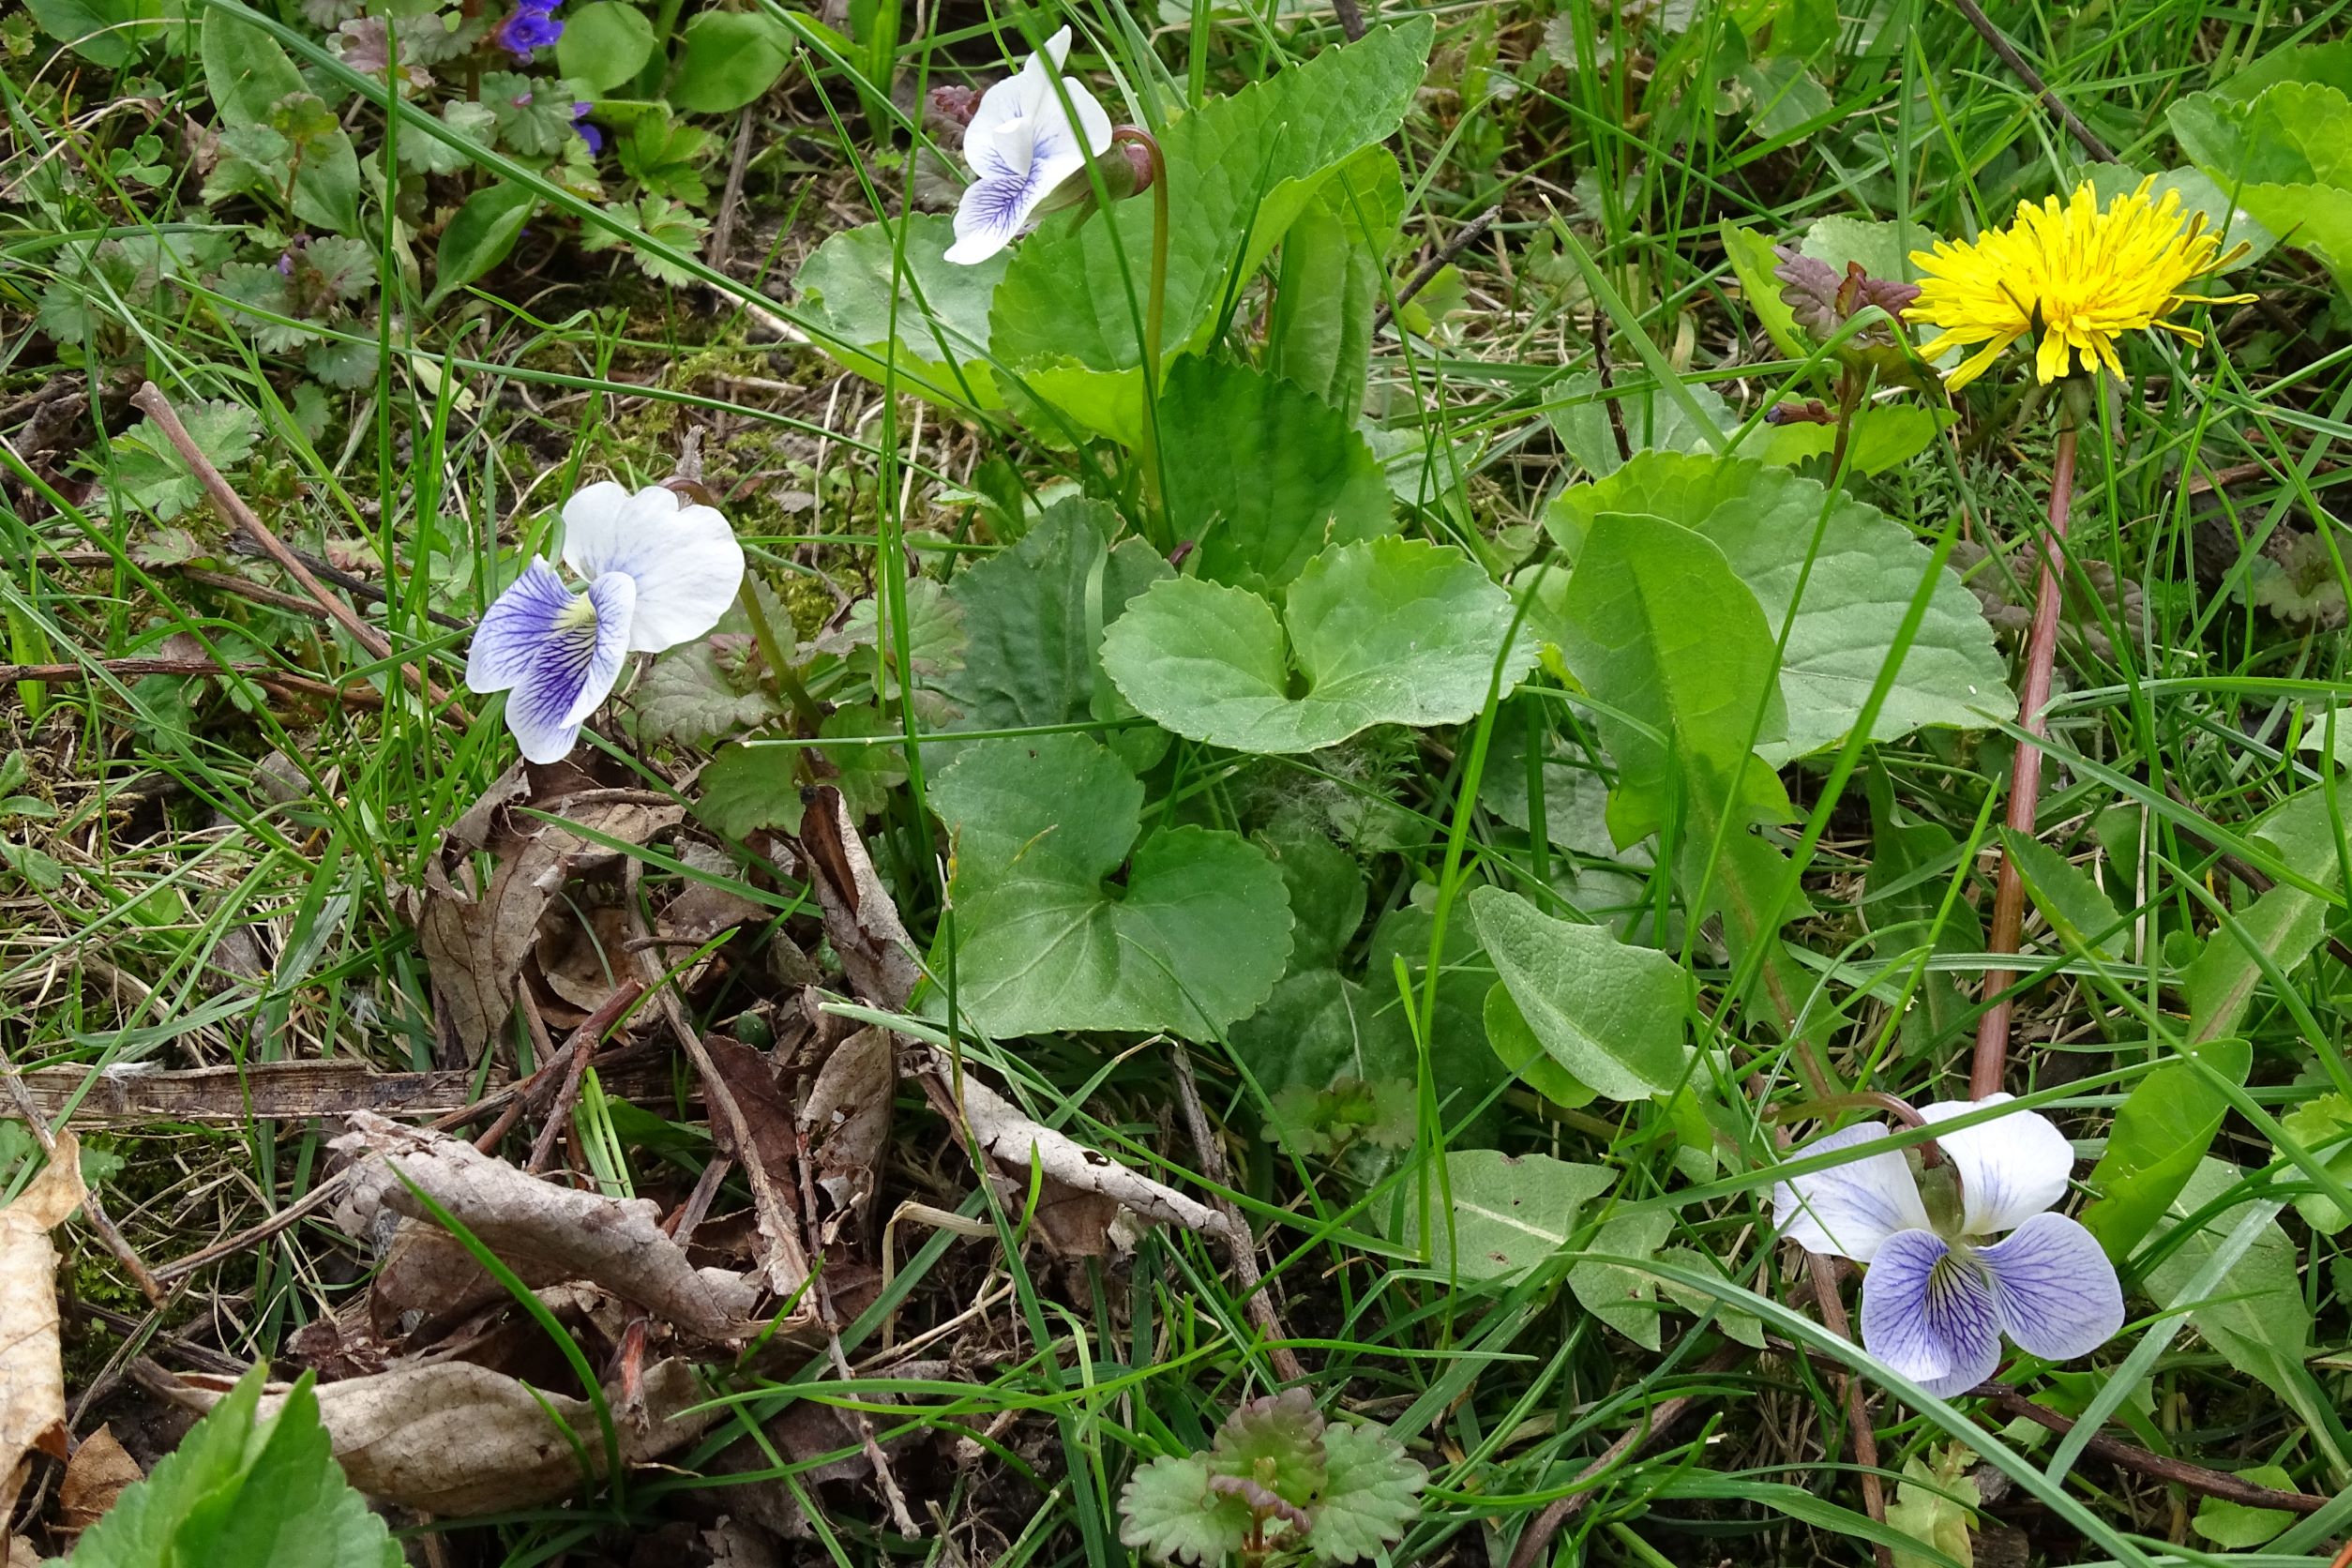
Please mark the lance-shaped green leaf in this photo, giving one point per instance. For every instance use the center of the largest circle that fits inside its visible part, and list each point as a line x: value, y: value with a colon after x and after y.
x: 1858, y: 570
x: 1388, y: 631
x: 1624, y: 1299
x: 1193, y: 939
x: 1070, y: 309
x: 2168, y: 1121
x: 1509, y: 1211
x: 1655, y: 624
x: 1327, y: 289
x: 938, y: 332
x: 1263, y: 474
x: 2082, y: 915
x: 1611, y: 1015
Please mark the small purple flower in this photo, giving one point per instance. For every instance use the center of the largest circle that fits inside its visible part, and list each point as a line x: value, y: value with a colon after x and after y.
x: 1939, y: 1292
x: 658, y: 573
x: 531, y: 25
x: 588, y: 131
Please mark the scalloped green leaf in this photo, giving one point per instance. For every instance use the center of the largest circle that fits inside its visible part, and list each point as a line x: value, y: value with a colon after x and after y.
x: 1370, y: 1493
x: 1193, y: 939
x: 1388, y: 631
x: 1167, y: 1512
x: 1262, y: 473
x: 937, y: 336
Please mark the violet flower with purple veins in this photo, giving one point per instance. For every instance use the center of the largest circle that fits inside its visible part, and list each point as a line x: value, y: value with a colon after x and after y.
x: 659, y: 572
x: 1940, y: 1294
x: 588, y: 131
x: 531, y: 25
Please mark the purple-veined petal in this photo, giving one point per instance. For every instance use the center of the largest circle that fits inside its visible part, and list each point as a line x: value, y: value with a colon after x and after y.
x: 682, y: 560
x: 518, y: 624
x: 1019, y: 95
x: 1005, y: 153
x: 2054, y: 1288
x: 575, y: 665
x: 2010, y: 1168
x: 1927, y: 1313
x: 1851, y: 1209
x: 991, y: 216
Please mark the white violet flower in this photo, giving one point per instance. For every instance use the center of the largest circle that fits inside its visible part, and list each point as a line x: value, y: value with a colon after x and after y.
x: 1020, y: 146
x: 1939, y: 1292
x: 658, y: 572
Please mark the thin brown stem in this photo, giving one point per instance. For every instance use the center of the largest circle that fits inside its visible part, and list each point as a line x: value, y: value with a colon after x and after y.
x: 1824, y: 1273
x: 150, y: 401
x: 92, y: 1209
x: 581, y: 1048
x: 2032, y: 78
x: 1254, y: 1298
x: 135, y: 669
x: 1464, y: 237
x: 2025, y: 779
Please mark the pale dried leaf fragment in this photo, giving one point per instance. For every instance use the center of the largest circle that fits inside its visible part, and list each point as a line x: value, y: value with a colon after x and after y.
x: 846, y: 1123
x: 32, y: 1370
x: 861, y: 917
x: 457, y: 1439
x: 544, y: 1232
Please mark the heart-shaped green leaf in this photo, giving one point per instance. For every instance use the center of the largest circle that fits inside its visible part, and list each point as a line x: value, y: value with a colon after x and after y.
x: 1195, y: 938
x: 1388, y: 631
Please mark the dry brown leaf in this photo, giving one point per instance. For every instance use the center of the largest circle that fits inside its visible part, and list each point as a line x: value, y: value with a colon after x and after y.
x: 477, y: 937
x: 95, y: 1477
x: 861, y: 917
x: 846, y: 1123
x: 32, y: 1373
x: 545, y: 1232
x: 457, y: 1439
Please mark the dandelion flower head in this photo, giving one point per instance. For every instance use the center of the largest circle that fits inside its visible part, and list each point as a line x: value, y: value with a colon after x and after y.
x: 2079, y: 275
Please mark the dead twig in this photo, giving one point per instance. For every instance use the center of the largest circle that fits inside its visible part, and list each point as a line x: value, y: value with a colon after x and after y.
x: 138, y: 669
x: 1464, y: 237
x: 94, y: 1211
x: 581, y: 1048
x: 150, y: 401
x: 2178, y: 1472
x: 2032, y: 78
x: 730, y: 199
x: 1255, y: 1298
x: 1659, y: 1420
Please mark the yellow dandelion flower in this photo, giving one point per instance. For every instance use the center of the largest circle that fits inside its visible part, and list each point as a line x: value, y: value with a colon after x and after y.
x: 2078, y: 276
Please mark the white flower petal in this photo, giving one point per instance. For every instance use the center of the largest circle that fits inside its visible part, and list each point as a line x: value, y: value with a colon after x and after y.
x: 1849, y: 1210
x: 592, y: 518
x: 1021, y: 143
x: 2053, y: 1288
x: 1018, y: 96
x: 684, y: 560
x: 1929, y: 1315
x: 574, y: 666
x: 506, y: 643
x: 2010, y: 1168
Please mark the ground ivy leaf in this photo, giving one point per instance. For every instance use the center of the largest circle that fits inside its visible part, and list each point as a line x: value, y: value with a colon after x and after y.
x: 1167, y: 1512
x: 264, y: 1492
x: 1388, y: 631
x: 1262, y: 473
x: 687, y: 700
x: 1510, y: 1212
x: 865, y: 774
x: 1034, y: 616
x: 1275, y: 1441
x: 1368, y: 1493
x: 747, y: 787
x: 150, y: 471
x: 1194, y: 939
x: 1864, y: 572
x: 1611, y: 1015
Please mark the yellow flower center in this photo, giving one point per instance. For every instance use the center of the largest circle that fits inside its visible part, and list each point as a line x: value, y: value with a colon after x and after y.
x: 2077, y: 277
